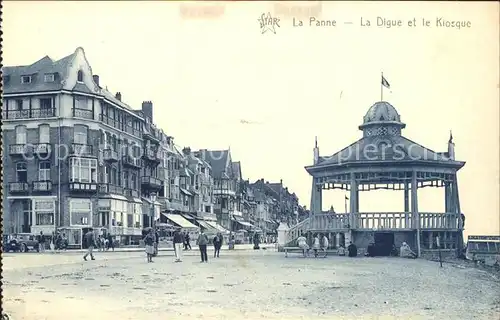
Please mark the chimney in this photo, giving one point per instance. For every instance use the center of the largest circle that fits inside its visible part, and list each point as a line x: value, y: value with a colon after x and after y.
x: 451, y: 148
x: 316, y: 151
x: 186, y: 151
x: 147, y: 109
x: 96, y: 79
x: 203, y: 154
x: 281, y: 181
x: 118, y: 96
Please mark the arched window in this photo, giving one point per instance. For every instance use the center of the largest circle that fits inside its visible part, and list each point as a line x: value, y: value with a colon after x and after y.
x: 80, y: 76
x: 21, y: 135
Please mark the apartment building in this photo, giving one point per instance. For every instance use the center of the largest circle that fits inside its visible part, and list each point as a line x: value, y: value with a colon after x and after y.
x: 76, y: 155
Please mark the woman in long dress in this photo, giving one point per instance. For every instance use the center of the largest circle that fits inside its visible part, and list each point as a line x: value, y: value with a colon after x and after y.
x: 316, y: 245
x: 149, y: 241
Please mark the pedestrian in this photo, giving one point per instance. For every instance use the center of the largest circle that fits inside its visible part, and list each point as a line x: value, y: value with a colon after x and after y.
x: 352, y: 250
x: 302, y: 243
x: 256, y: 241
x: 149, y: 241
x: 157, y: 242
x: 111, y: 244
x: 202, y: 245
x: 217, y: 244
x: 187, y: 240
x: 325, y: 244
x: 316, y: 245
x: 41, y: 242
x: 178, y: 245
x: 90, y: 241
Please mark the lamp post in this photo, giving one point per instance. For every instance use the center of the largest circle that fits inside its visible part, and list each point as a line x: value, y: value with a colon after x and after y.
x: 152, y: 214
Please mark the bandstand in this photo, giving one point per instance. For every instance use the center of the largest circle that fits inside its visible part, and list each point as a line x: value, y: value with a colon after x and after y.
x: 384, y: 159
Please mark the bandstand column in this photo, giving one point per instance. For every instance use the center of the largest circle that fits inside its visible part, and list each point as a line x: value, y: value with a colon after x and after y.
x: 407, y: 203
x: 316, y: 197
x: 353, y: 200
x: 414, y: 208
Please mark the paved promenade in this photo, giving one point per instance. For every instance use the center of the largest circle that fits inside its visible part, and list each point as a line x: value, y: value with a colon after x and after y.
x: 243, y: 284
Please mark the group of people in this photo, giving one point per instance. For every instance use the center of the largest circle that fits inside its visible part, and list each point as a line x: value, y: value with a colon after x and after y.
x: 320, y: 242
x: 181, y: 240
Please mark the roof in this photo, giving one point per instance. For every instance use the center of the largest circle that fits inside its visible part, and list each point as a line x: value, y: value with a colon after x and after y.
x: 384, y: 148
x: 37, y: 70
x: 218, y: 160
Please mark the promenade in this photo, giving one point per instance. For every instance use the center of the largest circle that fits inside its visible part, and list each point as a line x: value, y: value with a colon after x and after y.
x: 243, y: 284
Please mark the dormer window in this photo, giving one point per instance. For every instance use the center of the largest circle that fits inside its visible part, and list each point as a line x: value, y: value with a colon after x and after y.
x: 80, y: 76
x: 48, y: 77
x: 25, y: 79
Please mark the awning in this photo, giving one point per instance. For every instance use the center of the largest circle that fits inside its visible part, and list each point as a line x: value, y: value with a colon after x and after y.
x: 186, y: 192
x: 114, y: 196
x: 217, y: 226
x: 236, y: 218
x: 180, y: 221
x: 207, y: 226
x: 246, y: 224
x: 157, y: 203
x: 134, y: 200
x: 188, y: 216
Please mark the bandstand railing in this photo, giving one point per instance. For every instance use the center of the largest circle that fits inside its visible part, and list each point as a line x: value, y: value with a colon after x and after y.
x: 335, y: 222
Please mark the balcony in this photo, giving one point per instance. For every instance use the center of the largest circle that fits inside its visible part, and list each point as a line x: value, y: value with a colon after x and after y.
x: 131, y: 161
x: 42, y: 186
x: 29, y: 114
x: 152, y: 155
x: 151, y: 183
x: 42, y: 149
x: 83, y: 187
x: 83, y: 113
x: 131, y: 193
x: 133, y: 131
x: 78, y: 149
x: 110, y: 188
x: 110, y: 155
x: 151, y: 133
x: 15, y: 187
x: 19, y: 149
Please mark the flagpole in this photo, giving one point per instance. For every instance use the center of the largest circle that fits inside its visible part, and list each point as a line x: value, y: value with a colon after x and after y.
x: 381, y: 87
x: 345, y: 203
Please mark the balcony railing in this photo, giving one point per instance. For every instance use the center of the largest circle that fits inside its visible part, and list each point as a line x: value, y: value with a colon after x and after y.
x: 19, y: 149
x: 83, y: 113
x: 110, y: 155
x: 42, y: 186
x: 83, y: 186
x: 131, y: 161
x: 151, y: 182
x: 133, y: 131
x: 42, y: 148
x: 110, y: 188
x: 81, y: 149
x: 131, y: 192
x: 152, y: 155
x: 18, y: 187
x: 29, y: 114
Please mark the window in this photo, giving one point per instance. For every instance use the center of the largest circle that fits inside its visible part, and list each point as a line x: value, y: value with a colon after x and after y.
x: 133, y: 181
x: 44, y: 133
x: 83, y: 170
x: 114, y: 177
x: 125, y: 179
x: 21, y: 135
x: 46, y: 103
x: 44, y: 212
x: 48, y: 77
x: 80, y: 212
x: 25, y: 79
x: 107, y: 174
x: 21, y: 172
x: 18, y: 106
x: 80, y: 134
x: 81, y: 103
x: 44, y: 171
x: 79, y: 76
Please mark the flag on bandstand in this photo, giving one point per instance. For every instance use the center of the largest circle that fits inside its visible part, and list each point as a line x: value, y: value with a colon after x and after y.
x: 385, y: 83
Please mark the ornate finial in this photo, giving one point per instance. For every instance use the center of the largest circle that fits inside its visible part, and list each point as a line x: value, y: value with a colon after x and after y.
x: 451, y: 138
x: 316, y: 141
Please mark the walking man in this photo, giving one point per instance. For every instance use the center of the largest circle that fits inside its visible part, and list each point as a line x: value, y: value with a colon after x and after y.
x: 90, y: 240
x: 202, y: 244
x: 187, y: 239
x: 41, y: 242
x: 217, y: 244
x: 178, y: 245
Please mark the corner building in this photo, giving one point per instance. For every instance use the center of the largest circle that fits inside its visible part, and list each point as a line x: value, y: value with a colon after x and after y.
x: 75, y: 155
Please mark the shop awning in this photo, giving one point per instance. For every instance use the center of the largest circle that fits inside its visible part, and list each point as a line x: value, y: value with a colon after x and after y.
x: 186, y: 192
x: 134, y: 200
x: 236, y: 218
x: 180, y: 221
x: 114, y: 196
x: 208, y: 227
x: 246, y: 224
x: 157, y: 203
x: 217, y: 226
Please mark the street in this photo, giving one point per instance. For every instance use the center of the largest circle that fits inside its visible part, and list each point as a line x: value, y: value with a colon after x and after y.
x: 242, y: 284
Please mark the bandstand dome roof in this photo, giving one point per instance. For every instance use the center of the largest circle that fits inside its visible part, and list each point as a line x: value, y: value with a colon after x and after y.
x: 381, y: 111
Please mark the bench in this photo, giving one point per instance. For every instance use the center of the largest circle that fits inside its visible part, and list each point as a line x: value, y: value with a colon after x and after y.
x: 292, y: 250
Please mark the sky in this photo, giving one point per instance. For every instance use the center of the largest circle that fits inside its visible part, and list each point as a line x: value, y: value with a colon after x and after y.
x: 207, y: 68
